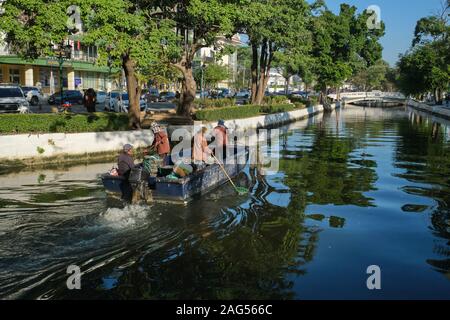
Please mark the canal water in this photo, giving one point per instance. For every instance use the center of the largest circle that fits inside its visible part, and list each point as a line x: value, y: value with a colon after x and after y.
x: 355, y: 188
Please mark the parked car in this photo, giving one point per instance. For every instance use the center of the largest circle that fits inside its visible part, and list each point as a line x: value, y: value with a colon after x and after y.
x: 144, y: 93
x: 34, y: 95
x: 121, y: 103
x: 242, y: 97
x: 201, y: 94
x: 300, y: 94
x: 167, y: 96
x: 225, y: 93
x: 110, y: 99
x: 152, y: 95
x: 101, y: 97
x: 72, y: 96
x: 12, y: 99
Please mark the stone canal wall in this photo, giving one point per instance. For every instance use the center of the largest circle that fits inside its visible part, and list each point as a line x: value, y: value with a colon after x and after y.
x: 440, y: 111
x: 60, y: 147
x: 23, y: 146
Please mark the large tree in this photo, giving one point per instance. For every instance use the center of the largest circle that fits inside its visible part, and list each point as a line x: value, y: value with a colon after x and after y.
x: 197, y: 24
x: 425, y: 67
x: 273, y: 27
x: 373, y: 77
x: 212, y: 74
x: 341, y: 44
x: 121, y: 27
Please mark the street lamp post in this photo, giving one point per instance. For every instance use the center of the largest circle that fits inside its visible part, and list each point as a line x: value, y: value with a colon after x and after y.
x: 109, y: 48
x: 202, y: 94
x: 64, y: 52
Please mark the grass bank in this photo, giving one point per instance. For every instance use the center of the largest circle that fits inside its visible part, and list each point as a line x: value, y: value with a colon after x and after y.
x: 62, y: 123
x: 246, y: 111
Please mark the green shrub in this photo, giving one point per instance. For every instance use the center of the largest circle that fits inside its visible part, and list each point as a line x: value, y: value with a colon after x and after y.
x: 299, y: 100
x: 239, y: 112
x: 70, y: 123
x: 228, y: 113
x: 311, y: 101
x: 271, y: 100
x: 300, y: 105
x: 215, y: 103
x: 278, y: 108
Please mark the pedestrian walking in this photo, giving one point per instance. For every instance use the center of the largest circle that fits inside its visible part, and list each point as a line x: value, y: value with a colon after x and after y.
x: 89, y: 100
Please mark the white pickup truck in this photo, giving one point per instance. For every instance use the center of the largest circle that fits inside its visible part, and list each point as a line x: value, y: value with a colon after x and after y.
x: 12, y: 99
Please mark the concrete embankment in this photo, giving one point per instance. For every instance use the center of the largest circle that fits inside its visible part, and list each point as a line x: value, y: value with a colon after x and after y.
x: 57, y: 148
x: 439, y: 111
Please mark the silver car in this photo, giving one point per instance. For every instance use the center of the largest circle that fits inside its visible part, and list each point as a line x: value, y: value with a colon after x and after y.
x: 121, y: 103
x: 34, y: 95
x: 12, y: 99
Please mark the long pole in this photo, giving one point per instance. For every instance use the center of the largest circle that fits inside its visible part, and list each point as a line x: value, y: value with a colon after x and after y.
x: 61, y: 85
x: 202, y: 93
x: 223, y: 169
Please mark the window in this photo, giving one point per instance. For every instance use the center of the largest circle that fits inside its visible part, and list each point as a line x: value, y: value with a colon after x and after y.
x: 14, y: 76
x: 11, y: 93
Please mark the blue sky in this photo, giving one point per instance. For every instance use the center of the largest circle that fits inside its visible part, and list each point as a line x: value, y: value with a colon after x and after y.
x: 400, y: 17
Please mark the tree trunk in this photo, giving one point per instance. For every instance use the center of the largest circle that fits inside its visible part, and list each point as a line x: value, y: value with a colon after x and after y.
x: 262, y: 74
x: 134, y: 110
x: 323, y: 95
x: 440, y: 96
x: 188, y: 93
x: 286, y: 85
x: 254, y: 70
x: 338, y: 93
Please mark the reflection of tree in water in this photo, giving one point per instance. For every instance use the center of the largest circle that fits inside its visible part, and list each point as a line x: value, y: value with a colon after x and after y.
x: 425, y: 157
x: 325, y: 174
x: 250, y: 257
x: 255, y: 250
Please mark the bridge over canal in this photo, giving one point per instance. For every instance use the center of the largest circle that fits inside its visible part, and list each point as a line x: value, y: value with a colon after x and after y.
x: 378, y: 96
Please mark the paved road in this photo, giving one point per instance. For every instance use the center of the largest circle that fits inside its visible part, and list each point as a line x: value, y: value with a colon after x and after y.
x: 46, y: 108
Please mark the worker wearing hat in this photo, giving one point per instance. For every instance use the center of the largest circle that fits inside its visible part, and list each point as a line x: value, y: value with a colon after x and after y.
x: 125, y: 161
x: 220, y: 134
x: 160, y: 142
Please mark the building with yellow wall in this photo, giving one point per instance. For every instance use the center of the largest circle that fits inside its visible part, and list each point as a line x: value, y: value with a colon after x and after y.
x: 80, y: 72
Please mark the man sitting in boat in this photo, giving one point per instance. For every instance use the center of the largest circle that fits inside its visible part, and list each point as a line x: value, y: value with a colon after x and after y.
x: 220, y: 140
x: 201, y: 153
x: 125, y: 162
x: 160, y: 143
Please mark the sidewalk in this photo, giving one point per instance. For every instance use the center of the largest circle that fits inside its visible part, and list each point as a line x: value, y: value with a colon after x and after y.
x: 438, y: 110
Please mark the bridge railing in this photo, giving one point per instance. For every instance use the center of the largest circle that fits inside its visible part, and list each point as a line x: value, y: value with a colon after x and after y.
x: 372, y: 94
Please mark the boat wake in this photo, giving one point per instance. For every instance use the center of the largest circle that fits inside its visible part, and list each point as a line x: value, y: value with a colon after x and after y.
x: 127, y: 217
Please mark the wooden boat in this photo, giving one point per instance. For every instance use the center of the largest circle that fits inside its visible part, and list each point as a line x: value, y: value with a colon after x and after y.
x: 159, y: 188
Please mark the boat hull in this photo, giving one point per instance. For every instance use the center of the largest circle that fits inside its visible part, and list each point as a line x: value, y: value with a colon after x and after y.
x: 184, y: 189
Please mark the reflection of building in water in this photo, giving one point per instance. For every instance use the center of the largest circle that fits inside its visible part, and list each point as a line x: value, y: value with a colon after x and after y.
x: 441, y: 125
x: 427, y: 137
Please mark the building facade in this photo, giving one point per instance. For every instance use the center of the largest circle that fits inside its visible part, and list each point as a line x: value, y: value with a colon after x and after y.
x: 209, y: 55
x: 80, y: 72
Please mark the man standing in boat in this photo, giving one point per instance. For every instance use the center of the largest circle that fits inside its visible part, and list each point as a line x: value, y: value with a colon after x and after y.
x: 161, y: 142
x: 220, y: 134
x: 125, y: 162
x: 201, y: 152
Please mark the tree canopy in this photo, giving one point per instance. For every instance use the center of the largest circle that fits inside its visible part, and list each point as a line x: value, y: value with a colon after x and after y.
x: 341, y: 43
x: 426, y: 66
